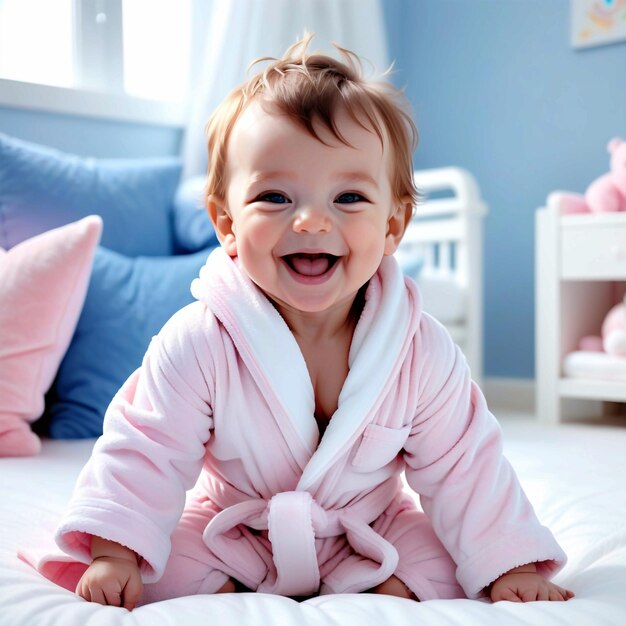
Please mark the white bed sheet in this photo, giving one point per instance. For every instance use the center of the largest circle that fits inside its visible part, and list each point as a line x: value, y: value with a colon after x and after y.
x: 574, y: 474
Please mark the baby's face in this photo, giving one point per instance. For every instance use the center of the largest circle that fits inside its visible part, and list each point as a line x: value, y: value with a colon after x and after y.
x: 310, y: 222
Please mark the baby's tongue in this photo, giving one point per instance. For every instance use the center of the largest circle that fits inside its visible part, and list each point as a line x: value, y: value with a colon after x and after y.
x: 310, y: 265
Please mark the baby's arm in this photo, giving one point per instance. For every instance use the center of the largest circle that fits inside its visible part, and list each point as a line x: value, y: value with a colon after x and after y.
x: 152, y: 449
x: 113, y: 577
x: 523, y: 584
x: 467, y: 487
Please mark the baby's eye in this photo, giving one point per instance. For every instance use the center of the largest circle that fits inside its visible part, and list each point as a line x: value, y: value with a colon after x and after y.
x: 350, y: 197
x: 273, y: 197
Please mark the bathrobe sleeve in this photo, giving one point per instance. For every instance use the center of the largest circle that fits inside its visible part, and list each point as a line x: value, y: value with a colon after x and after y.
x: 467, y: 488
x: 132, y: 490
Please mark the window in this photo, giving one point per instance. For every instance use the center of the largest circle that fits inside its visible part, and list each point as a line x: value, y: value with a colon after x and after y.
x: 36, y: 41
x: 157, y: 48
x: 122, y: 48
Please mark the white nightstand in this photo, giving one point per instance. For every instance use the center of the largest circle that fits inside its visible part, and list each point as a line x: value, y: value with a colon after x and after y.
x: 578, y: 260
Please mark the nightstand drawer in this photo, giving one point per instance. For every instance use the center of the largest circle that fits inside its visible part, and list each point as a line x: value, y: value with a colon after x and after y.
x: 593, y: 251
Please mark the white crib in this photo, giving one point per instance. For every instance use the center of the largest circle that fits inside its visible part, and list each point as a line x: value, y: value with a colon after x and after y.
x: 446, y: 234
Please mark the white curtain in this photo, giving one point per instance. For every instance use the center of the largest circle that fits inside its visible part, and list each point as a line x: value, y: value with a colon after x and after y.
x: 240, y: 31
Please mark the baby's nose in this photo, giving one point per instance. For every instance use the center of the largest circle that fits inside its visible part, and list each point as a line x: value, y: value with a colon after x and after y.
x: 312, y: 219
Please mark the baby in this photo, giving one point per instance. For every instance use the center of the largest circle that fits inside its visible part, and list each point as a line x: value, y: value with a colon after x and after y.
x: 301, y: 385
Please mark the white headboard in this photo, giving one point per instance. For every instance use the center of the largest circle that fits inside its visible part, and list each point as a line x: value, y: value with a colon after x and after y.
x: 446, y: 233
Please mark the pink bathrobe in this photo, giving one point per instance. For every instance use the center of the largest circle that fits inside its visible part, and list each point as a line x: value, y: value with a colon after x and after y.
x: 223, y: 397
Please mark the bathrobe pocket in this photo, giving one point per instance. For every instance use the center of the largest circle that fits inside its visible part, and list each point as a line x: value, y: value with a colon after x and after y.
x: 378, y: 446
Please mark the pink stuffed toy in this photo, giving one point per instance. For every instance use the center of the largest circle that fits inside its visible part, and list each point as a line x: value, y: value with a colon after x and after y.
x: 614, y: 330
x: 606, y: 194
x: 613, y: 340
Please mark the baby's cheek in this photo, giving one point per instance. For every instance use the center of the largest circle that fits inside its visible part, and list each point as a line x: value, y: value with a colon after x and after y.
x: 256, y: 237
x: 369, y: 240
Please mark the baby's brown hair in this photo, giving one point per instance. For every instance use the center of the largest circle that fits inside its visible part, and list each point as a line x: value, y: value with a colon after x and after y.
x: 309, y: 87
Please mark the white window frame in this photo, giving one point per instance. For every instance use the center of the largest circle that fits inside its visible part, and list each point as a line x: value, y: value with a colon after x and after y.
x: 101, y: 95
x: 69, y: 101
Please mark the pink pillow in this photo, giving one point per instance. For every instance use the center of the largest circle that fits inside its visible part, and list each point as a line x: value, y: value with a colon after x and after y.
x: 43, y: 283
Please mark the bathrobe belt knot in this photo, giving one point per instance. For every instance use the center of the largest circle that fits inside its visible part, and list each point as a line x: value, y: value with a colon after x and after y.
x: 294, y: 520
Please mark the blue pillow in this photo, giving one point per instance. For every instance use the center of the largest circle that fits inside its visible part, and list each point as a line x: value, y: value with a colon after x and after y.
x: 42, y: 188
x: 127, y: 303
x: 193, y: 229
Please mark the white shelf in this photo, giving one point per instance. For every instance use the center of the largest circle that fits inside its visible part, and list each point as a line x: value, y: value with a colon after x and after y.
x: 580, y: 266
x: 593, y: 220
x: 592, y: 389
x: 593, y: 249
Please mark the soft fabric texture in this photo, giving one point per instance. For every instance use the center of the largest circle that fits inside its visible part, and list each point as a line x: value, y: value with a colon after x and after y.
x: 591, y: 343
x: 614, y: 330
x: 613, y: 338
x: 42, y: 188
x: 608, y: 192
x: 573, y: 474
x: 224, y: 393
x: 42, y: 289
x: 193, y: 229
x: 128, y: 302
x: 595, y: 366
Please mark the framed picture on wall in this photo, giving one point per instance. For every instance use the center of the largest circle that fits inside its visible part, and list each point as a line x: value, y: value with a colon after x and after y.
x: 597, y: 22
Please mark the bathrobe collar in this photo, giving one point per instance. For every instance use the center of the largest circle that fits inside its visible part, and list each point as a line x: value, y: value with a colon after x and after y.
x: 266, y: 345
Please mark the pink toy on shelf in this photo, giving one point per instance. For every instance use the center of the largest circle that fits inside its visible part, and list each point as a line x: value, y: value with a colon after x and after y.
x: 614, y: 330
x: 613, y: 339
x: 591, y: 343
x: 606, y: 194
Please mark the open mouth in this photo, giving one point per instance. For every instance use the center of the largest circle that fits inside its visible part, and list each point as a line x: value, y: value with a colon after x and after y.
x: 312, y: 265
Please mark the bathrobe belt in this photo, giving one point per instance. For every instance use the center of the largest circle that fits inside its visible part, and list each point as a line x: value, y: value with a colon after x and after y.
x: 294, y: 519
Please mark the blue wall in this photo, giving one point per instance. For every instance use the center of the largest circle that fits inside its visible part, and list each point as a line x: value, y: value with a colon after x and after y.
x: 90, y: 136
x: 497, y: 89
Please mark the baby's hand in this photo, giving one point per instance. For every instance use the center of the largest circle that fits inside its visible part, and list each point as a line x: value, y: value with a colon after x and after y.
x: 526, y: 586
x: 113, y: 581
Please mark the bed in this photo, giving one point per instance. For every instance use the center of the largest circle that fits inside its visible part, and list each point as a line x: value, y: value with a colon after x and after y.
x: 573, y: 474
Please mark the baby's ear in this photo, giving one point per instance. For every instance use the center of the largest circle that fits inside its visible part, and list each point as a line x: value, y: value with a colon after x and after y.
x: 223, y: 224
x: 397, y: 223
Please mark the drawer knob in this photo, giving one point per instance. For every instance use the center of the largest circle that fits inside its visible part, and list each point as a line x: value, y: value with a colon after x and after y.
x: 618, y: 252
